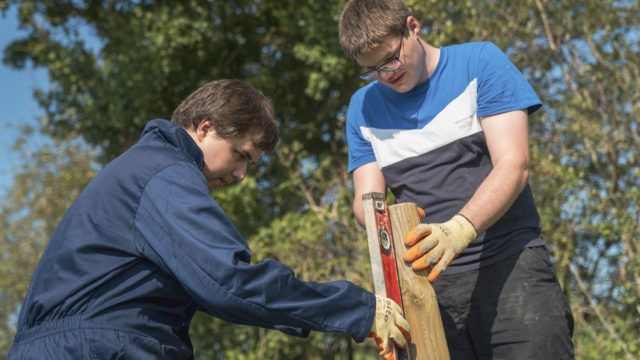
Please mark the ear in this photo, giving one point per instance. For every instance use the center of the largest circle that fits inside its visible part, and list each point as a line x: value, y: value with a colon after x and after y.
x: 205, y: 128
x: 413, y: 25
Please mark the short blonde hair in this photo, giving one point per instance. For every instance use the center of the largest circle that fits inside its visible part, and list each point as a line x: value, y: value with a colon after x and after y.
x: 364, y: 23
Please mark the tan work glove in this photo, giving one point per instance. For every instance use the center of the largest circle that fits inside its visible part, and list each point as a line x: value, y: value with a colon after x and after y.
x: 438, y: 242
x: 389, y: 323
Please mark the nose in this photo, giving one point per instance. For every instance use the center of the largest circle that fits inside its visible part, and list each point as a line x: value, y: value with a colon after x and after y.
x: 239, y: 173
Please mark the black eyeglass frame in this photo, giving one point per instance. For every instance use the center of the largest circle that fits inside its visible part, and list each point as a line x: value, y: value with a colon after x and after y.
x: 371, y: 75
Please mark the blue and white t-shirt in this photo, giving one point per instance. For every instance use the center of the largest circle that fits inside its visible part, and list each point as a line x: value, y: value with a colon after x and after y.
x: 431, y: 148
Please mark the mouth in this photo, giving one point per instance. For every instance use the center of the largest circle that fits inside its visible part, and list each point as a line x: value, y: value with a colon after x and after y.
x: 397, y: 80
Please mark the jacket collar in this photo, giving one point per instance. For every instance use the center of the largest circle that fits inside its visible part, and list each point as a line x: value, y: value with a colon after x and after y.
x: 176, y: 136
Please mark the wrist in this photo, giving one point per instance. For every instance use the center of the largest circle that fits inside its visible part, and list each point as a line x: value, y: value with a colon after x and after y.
x: 465, y: 226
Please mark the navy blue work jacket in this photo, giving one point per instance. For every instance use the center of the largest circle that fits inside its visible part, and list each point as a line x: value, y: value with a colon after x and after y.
x: 144, y: 247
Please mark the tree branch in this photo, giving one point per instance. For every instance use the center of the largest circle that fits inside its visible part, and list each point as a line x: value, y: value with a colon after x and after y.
x: 599, y: 313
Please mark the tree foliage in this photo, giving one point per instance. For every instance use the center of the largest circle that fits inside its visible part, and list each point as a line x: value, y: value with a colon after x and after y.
x: 582, y: 59
x: 48, y: 181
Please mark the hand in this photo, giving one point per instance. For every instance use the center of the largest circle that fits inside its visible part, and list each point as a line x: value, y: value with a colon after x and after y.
x: 389, y: 323
x: 438, y: 242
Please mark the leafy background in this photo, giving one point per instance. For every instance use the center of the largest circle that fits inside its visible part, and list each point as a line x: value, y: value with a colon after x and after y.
x: 581, y: 57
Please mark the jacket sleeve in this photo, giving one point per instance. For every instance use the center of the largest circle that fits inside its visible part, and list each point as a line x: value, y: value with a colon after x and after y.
x: 187, y: 234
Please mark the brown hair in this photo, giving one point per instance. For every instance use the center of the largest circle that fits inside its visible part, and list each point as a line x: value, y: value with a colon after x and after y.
x: 236, y: 109
x: 364, y: 23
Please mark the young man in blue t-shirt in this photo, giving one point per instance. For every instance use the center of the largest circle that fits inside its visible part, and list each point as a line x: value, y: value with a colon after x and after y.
x: 446, y: 128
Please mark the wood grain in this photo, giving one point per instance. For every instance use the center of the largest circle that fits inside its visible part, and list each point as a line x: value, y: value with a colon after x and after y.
x: 418, y: 297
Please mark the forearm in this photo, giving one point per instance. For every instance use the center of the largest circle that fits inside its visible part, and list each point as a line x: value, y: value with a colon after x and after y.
x: 358, y: 211
x: 496, y: 193
x: 367, y: 178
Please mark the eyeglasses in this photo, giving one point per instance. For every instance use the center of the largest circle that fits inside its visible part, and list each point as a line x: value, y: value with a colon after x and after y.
x: 391, y: 65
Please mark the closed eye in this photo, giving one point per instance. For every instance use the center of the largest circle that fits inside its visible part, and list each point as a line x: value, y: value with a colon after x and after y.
x: 387, y: 60
x: 244, y: 155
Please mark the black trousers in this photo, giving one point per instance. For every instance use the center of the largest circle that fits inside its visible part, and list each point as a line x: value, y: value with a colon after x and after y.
x: 514, y: 309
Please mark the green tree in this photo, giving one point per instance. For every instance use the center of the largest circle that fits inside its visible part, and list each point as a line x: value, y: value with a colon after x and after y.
x: 44, y: 187
x: 582, y: 59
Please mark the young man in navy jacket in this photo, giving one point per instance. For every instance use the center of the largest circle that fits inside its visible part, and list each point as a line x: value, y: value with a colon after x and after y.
x: 145, y: 246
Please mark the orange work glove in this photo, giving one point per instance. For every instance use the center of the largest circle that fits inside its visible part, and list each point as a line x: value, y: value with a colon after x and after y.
x: 439, y: 243
x: 389, y: 323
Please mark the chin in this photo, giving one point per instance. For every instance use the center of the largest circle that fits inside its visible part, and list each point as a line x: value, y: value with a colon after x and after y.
x: 403, y: 86
x: 402, y: 89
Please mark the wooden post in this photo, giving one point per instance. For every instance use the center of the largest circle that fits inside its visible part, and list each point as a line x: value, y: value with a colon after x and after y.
x: 418, y: 297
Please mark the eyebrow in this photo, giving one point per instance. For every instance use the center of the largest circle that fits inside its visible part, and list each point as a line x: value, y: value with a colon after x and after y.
x: 245, y: 154
x: 390, y: 55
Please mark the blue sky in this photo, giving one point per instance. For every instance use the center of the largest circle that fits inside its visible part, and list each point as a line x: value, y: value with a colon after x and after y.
x: 16, y: 98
